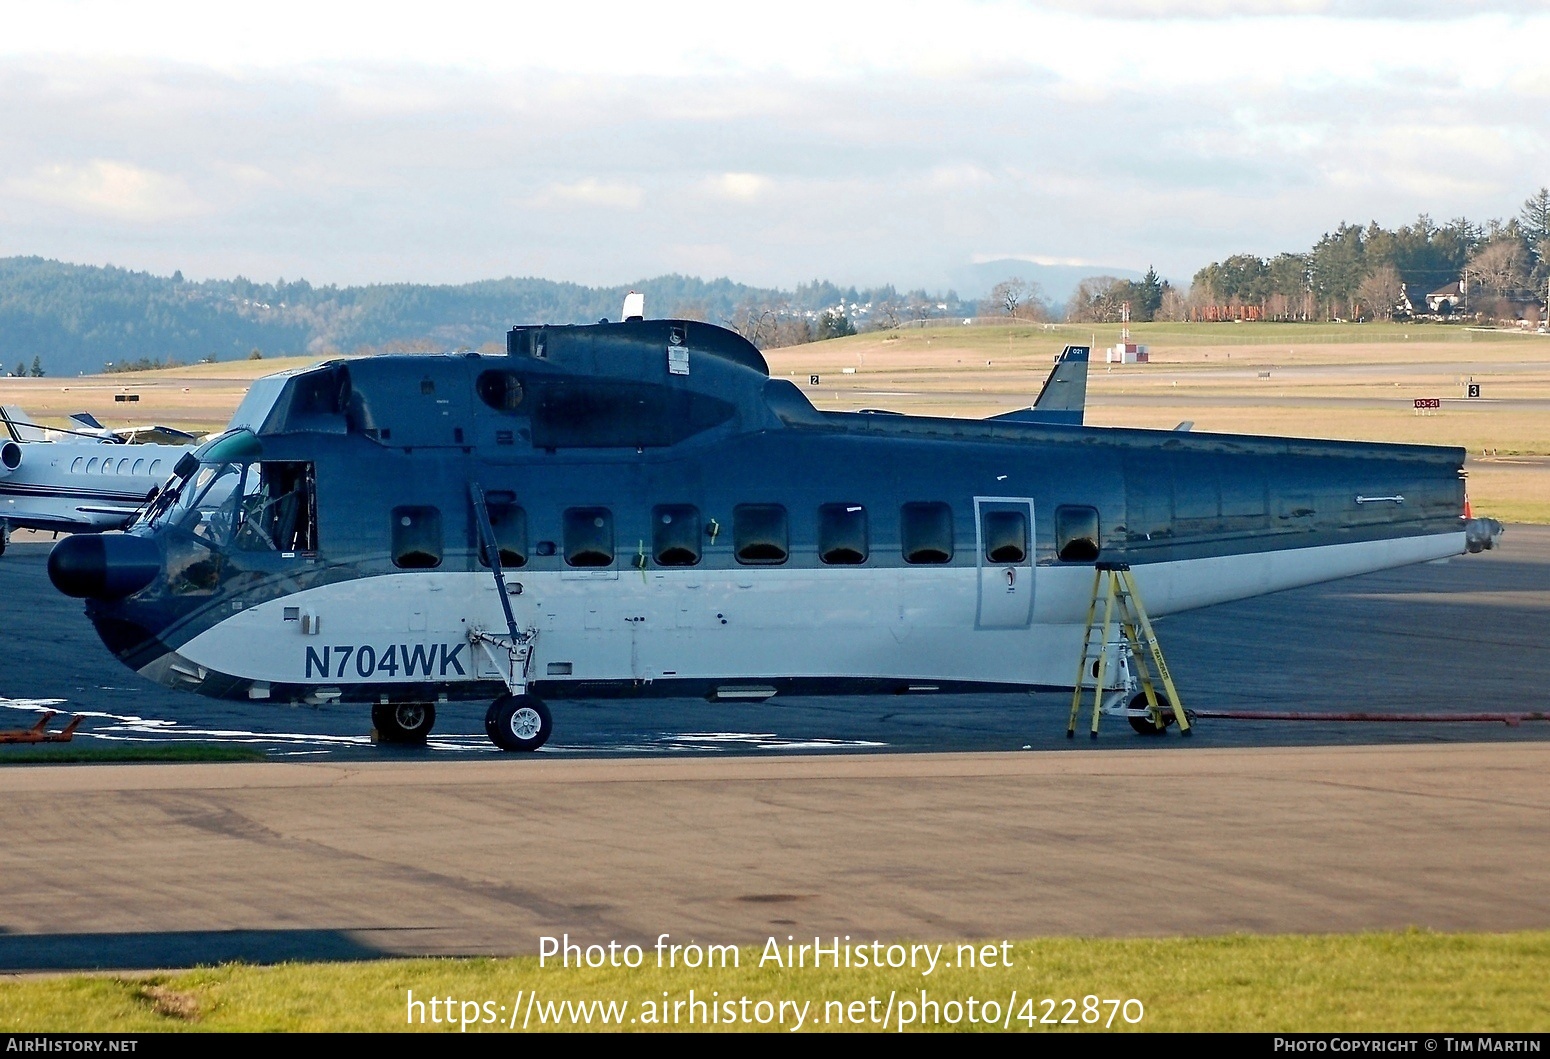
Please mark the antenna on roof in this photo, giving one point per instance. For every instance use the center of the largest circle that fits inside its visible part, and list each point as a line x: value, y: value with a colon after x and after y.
x: 634, y: 306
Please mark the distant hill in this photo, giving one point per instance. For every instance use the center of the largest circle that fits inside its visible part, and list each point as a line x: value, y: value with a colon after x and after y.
x: 1058, y: 282
x: 77, y: 318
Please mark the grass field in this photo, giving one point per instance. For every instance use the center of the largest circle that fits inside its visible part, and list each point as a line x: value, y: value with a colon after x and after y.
x: 1409, y: 981
x: 71, y: 754
x: 1350, y: 381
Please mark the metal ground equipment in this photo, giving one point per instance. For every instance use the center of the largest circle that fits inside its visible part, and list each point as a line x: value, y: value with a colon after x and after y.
x: 38, y: 733
x: 1143, y: 690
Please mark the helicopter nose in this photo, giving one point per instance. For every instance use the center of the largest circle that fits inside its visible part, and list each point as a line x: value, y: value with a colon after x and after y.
x: 104, y: 565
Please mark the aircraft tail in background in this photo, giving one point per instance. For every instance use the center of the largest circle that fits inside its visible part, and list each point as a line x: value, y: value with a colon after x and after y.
x: 1064, y: 396
x: 19, y: 425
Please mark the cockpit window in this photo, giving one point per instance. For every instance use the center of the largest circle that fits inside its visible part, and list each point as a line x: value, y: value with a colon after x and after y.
x: 255, y: 505
x: 281, y: 515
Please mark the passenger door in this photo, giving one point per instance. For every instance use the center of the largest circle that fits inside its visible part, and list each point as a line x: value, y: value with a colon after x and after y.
x: 1003, y: 531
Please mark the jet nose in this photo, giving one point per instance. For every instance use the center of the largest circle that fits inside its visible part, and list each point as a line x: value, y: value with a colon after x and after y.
x: 103, y: 566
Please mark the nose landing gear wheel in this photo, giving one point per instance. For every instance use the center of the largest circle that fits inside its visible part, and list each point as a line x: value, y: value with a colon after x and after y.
x: 403, y: 722
x: 518, y: 722
x: 1145, y: 725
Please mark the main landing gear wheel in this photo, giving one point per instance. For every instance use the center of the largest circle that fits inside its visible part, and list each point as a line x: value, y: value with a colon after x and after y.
x: 403, y: 722
x: 518, y: 722
x: 1145, y: 725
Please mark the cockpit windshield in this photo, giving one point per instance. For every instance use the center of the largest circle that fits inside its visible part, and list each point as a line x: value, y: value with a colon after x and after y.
x: 228, y: 496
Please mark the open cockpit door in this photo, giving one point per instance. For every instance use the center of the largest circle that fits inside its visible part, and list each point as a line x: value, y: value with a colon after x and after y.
x: 1003, y: 531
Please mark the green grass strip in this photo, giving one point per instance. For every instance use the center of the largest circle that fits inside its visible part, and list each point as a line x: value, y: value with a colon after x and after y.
x: 69, y: 754
x: 1409, y: 981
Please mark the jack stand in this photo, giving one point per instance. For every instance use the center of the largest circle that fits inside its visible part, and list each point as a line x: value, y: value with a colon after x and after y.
x: 1137, y: 643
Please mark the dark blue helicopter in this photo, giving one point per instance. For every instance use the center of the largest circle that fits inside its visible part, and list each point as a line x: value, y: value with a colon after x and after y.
x: 639, y: 509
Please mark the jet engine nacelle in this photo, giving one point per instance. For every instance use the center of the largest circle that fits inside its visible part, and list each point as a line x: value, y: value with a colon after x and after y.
x: 10, y: 458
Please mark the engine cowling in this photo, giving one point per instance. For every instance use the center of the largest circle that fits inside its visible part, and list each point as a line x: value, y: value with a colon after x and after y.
x: 10, y: 457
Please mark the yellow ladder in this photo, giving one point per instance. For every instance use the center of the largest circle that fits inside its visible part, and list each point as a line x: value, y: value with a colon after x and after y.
x: 1122, y: 605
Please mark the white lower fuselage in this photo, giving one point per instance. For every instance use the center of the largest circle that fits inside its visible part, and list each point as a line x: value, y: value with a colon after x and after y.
x: 924, y: 625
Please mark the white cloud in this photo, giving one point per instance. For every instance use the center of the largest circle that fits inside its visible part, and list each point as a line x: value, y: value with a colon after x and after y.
x: 1340, y: 9
x: 615, y: 194
x: 958, y: 176
x: 739, y: 187
x: 482, y: 139
x: 1035, y: 259
x: 105, y: 188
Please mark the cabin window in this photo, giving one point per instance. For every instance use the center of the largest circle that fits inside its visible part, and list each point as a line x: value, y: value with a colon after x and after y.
x: 416, y: 538
x: 501, y: 390
x: 842, y: 535
x: 155, y: 468
x: 760, y: 534
x: 926, y: 533
x: 1076, y: 534
x: 1006, y: 536
x: 589, y: 536
x: 75, y: 465
x: 675, y: 534
x: 508, y: 525
x: 139, y: 467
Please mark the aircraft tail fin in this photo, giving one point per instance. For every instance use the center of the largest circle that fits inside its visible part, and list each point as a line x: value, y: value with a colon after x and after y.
x: 1063, y: 398
x: 19, y: 425
x: 86, y: 419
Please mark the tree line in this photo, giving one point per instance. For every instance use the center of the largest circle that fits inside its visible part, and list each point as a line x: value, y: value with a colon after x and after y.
x: 1498, y: 270
x: 79, y: 318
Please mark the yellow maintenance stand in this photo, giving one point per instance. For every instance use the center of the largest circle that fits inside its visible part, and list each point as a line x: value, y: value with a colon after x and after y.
x: 1149, y: 711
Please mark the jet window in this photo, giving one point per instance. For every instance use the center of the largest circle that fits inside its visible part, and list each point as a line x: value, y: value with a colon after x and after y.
x: 926, y: 533
x: 416, y: 538
x: 842, y: 534
x: 675, y: 534
x: 760, y: 534
x: 508, y: 525
x: 1076, y: 534
x: 1006, y: 536
x: 589, y: 536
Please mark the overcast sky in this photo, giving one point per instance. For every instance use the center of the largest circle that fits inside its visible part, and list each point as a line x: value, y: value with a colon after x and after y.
x: 447, y: 141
